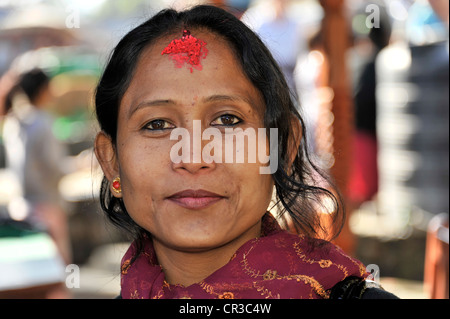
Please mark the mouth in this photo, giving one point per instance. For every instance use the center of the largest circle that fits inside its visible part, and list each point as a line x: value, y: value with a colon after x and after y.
x: 195, y: 199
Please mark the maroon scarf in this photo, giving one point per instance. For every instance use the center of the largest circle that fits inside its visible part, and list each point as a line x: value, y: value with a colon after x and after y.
x: 276, y: 265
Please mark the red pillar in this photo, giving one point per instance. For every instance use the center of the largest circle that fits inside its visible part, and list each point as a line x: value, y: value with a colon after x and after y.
x: 336, y: 40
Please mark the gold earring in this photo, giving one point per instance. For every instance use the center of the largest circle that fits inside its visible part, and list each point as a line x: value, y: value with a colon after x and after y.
x: 117, y: 188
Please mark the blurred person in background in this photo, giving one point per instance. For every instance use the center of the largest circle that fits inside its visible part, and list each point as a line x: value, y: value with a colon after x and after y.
x: 35, y: 156
x: 235, y: 7
x: 281, y: 34
x: 7, y: 81
x: 363, y: 184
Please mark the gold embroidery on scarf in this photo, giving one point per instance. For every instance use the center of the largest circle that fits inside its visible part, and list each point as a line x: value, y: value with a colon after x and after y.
x: 125, y: 267
x: 323, y: 263
x: 135, y: 295
x: 159, y: 295
x: 265, y: 292
x: 252, y: 273
x: 362, y: 268
x: 270, y: 274
x: 313, y: 283
x: 226, y: 295
x: 207, y: 287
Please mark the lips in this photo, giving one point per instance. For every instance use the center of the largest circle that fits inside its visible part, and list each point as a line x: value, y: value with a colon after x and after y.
x: 195, y: 199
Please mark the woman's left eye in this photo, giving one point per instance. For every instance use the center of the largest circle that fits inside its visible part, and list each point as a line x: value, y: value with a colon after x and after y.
x: 226, y: 120
x: 156, y: 125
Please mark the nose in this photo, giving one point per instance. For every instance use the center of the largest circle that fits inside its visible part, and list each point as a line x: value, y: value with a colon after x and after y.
x: 189, y: 154
x: 194, y: 163
x: 193, y: 168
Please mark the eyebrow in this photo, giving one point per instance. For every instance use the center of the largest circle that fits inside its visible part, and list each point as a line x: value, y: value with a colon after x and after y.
x: 209, y: 99
x: 150, y: 103
x: 236, y: 98
x: 232, y: 98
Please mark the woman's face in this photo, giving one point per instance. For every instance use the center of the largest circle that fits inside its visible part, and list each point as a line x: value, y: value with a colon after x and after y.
x: 189, y: 206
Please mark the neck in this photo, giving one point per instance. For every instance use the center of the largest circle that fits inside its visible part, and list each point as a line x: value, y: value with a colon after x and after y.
x: 189, y: 267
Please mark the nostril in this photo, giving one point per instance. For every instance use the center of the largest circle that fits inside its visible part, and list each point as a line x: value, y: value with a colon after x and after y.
x: 193, y: 167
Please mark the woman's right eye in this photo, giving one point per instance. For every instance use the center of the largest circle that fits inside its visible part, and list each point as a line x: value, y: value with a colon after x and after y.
x: 158, y: 125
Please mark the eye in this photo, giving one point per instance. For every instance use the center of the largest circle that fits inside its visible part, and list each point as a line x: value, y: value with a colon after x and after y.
x: 157, y: 125
x: 226, y: 120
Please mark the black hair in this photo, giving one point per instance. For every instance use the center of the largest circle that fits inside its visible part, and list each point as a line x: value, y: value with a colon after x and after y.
x: 297, y: 192
x: 31, y: 84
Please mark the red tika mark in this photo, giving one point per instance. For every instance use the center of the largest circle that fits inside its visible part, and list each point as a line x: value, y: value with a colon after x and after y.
x: 188, y: 49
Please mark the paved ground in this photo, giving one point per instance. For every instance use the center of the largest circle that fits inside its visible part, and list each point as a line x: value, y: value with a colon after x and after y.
x: 403, y: 288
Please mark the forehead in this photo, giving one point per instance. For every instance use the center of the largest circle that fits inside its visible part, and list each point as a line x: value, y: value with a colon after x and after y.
x: 159, y: 76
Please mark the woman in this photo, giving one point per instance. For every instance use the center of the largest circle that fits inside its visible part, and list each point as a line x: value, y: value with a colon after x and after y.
x: 36, y: 157
x: 201, y: 225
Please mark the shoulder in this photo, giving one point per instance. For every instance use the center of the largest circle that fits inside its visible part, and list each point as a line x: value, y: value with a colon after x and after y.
x: 325, y: 254
x: 304, y: 257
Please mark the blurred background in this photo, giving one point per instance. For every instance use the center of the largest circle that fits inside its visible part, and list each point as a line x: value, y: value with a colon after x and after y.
x: 371, y: 79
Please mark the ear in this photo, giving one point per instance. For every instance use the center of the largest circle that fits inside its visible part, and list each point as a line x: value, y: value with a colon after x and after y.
x: 106, y: 155
x: 294, y: 142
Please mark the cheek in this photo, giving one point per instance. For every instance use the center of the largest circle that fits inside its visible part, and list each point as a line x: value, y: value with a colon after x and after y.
x: 250, y: 157
x: 142, y: 168
x: 255, y: 189
x: 249, y: 147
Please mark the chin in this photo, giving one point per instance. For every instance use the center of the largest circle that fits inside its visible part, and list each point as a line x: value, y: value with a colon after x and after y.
x: 197, y: 243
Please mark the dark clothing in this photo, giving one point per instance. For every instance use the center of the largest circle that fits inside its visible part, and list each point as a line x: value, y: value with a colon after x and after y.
x: 355, y: 288
x: 365, y: 100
